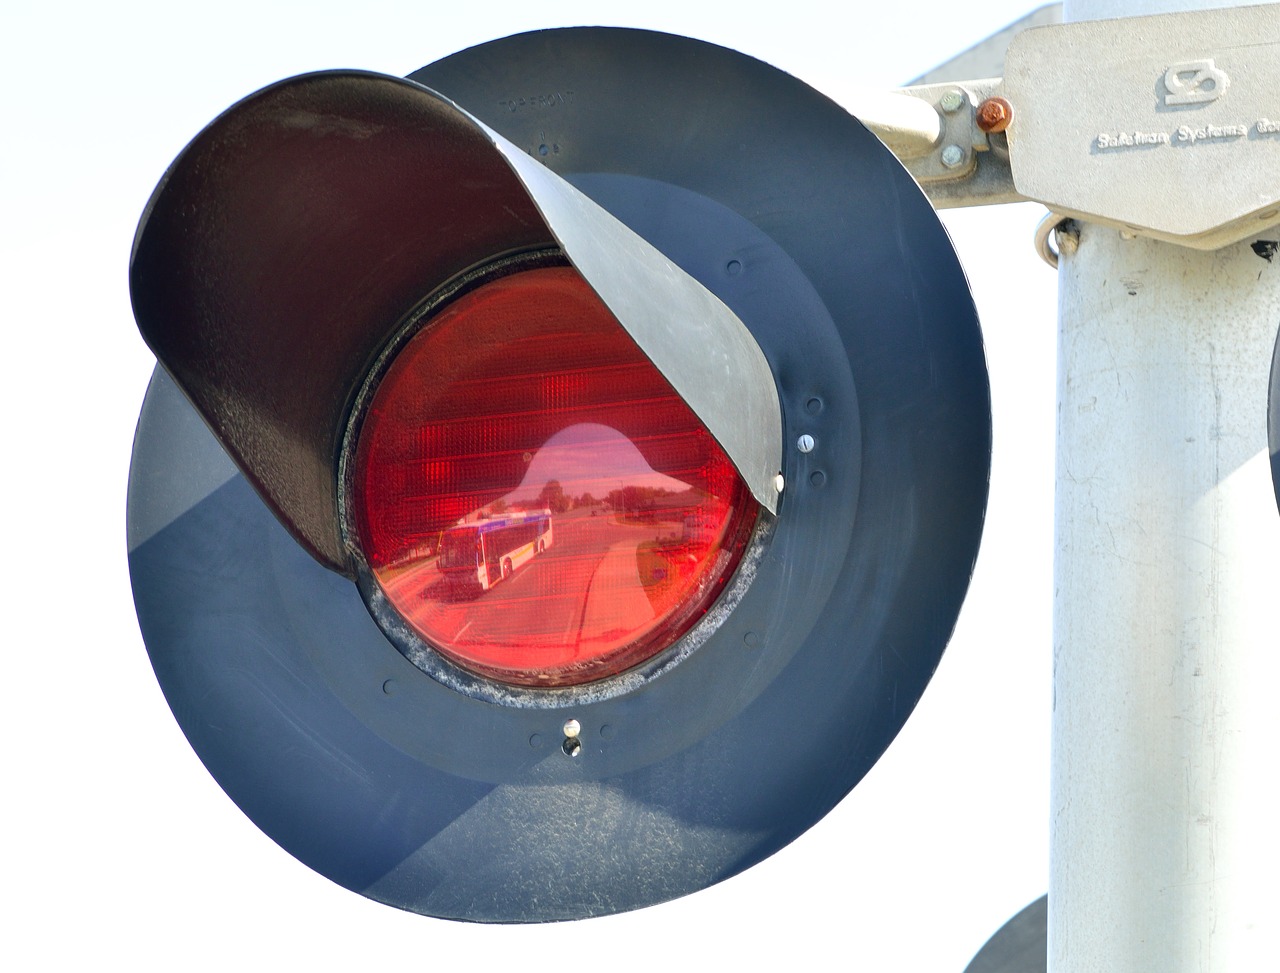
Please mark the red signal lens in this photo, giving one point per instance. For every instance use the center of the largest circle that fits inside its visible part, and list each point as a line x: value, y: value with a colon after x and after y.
x: 533, y: 497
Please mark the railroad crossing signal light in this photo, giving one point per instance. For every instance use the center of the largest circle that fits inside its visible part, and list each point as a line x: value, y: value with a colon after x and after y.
x: 565, y: 470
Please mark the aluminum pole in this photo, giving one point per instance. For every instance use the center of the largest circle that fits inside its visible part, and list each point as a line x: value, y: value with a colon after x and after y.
x: 1164, y: 847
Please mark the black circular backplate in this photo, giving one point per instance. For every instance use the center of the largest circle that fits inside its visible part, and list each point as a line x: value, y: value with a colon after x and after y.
x: 409, y: 792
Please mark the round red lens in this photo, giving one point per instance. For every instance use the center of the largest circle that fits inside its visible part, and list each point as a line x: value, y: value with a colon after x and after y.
x: 533, y: 497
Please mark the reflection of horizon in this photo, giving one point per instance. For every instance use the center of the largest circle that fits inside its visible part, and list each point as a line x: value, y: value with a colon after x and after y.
x: 589, y: 458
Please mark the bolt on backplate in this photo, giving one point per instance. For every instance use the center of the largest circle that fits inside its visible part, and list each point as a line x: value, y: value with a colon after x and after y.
x: 994, y: 115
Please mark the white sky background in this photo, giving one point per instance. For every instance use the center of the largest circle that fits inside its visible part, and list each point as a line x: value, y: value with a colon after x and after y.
x: 117, y: 843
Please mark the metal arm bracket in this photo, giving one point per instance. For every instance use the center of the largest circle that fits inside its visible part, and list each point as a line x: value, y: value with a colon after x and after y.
x: 1165, y: 126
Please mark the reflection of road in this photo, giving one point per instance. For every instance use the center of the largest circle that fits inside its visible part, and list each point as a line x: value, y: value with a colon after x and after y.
x: 582, y: 593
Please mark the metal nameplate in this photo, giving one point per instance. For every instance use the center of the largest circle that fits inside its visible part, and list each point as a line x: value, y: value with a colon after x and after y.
x: 1168, y: 126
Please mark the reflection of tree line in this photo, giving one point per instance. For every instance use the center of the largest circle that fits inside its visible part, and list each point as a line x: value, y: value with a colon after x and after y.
x: 638, y: 499
x: 640, y: 502
x: 551, y: 498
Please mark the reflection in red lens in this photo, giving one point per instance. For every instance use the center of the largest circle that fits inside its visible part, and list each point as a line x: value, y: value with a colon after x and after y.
x: 532, y: 495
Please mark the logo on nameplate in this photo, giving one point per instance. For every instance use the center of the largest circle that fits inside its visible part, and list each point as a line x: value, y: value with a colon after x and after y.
x: 1194, y: 83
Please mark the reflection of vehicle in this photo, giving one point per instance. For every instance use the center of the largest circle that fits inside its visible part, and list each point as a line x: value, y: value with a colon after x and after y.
x: 486, y: 551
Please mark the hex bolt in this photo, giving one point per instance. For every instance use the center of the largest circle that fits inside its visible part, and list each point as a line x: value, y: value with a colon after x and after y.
x: 994, y: 115
x: 952, y: 156
x: 952, y: 101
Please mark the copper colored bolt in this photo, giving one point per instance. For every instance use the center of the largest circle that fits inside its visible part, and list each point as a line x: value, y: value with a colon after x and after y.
x: 994, y: 115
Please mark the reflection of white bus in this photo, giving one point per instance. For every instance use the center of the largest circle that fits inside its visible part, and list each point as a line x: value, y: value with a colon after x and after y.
x: 484, y: 552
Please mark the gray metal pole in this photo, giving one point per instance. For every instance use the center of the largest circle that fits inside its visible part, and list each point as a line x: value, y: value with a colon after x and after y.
x: 1164, y: 843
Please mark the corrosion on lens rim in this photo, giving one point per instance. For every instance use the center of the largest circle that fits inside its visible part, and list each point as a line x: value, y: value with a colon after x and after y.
x: 531, y: 495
